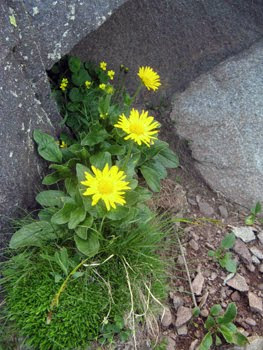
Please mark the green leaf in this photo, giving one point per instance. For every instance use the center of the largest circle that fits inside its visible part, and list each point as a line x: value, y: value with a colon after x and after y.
x: 50, y: 198
x: 229, y: 315
x: 116, y: 150
x: 82, y: 229
x: 52, y: 178
x: 239, y: 339
x: 88, y: 247
x: 228, y: 241
x: 81, y: 170
x: 62, y: 259
x: 211, y: 253
x: 168, y: 158
x: 215, y: 310
x: 231, y: 327
x: 47, y: 147
x: 95, y: 136
x: 119, y: 213
x: 99, y: 160
x: 75, y: 95
x: 74, y: 64
x: 227, y: 334
x: 228, y: 263
x: 63, y: 215
x: 71, y: 186
x: 218, y: 341
x: 77, y: 215
x: 158, y: 167
x: 250, y: 220
x: 80, y: 77
x: 257, y: 209
x: 151, y: 177
x: 206, y: 342
x: 196, y: 311
x: 34, y: 234
x: 210, y: 322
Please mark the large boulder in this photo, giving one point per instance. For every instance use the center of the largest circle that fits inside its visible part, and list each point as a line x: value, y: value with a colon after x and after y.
x: 179, y: 38
x: 221, y: 114
x: 33, y: 36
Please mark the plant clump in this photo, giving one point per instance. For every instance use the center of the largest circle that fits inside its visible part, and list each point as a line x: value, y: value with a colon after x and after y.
x: 85, y: 267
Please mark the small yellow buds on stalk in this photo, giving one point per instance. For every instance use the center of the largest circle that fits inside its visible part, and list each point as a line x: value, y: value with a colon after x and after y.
x: 102, y: 86
x: 103, y: 65
x: 139, y: 127
x: 64, y: 84
x: 107, y: 184
x: 87, y: 84
x: 110, y: 89
x: 111, y: 74
x: 149, y: 78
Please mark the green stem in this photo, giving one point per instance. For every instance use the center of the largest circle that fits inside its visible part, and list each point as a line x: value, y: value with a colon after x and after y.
x: 128, y: 156
x: 136, y: 93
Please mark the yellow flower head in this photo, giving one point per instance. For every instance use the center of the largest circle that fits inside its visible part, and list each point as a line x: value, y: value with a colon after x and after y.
x: 102, y: 86
x: 111, y: 74
x: 64, y: 84
x: 87, y: 84
x: 63, y: 144
x: 107, y: 184
x: 103, y: 65
x: 110, y: 89
x: 140, y: 128
x: 149, y: 78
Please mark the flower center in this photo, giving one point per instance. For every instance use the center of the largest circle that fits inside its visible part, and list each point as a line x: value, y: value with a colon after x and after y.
x: 105, y: 187
x: 137, y: 129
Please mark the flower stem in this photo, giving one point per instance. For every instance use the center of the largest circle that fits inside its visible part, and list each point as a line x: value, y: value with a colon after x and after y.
x: 136, y: 93
x: 128, y: 156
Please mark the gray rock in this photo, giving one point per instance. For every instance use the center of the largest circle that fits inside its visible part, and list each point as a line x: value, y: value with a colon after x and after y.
x: 245, y: 233
x: 177, y: 301
x: 255, y: 343
x: 238, y: 282
x: 255, y: 260
x: 260, y: 268
x: 194, y: 245
x: 221, y: 113
x: 260, y: 237
x: 167, y: 318
x: 193, y: 345
x: 242, y: 250
x: 171, y: 344
x: 44, y: 31
x: 204, y: 313
x: 257, y: 252
x: 184, y: 314
x: 255, y: 302
x: 235, y: 296
x: 205, y: 208
x: 223, y: 211
x: 251, y: 322
x: 182, y: 330
x: 198, y: 283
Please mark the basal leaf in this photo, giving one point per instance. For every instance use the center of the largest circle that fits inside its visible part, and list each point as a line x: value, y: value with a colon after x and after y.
x: 63, y: 215
x: 215, y: 310
x: 34, y: 234
x: 151, y: 177
x: 90, y: 246
x: 51, y: 198
x: 229, y: 315
x: 77, y: 215
x: 228, y: 241
x: 47, y: 147
x: 206, y: 342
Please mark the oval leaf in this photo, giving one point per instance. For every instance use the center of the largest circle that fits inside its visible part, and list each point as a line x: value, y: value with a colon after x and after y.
x: 206, y: 342
x: 88, y: 247
x: 50, y: 198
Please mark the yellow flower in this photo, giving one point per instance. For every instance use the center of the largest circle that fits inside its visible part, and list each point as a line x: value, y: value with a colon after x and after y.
x: 103, y: 65
x: 102, y: 86
x: 110, y: 89
x: 103, y: 115
x: 63, y: 145
x: 107, y: 184
x: 149, y: 78
x: 64, y: 84
x: 87, y: 83
x: 140, y: 128
x: 111, y: 74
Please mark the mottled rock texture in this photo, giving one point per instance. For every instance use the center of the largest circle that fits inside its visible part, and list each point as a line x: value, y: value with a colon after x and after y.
x: 33, y: 36
x: 179, y: 38
x: 221, y: 114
